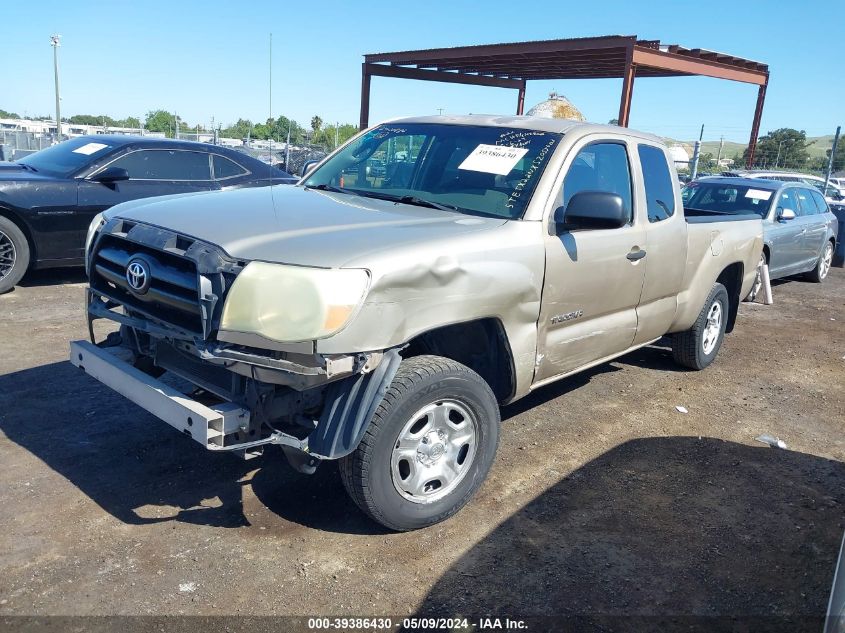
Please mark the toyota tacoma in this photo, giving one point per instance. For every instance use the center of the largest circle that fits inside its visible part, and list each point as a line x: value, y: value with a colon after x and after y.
x: 382, y: 317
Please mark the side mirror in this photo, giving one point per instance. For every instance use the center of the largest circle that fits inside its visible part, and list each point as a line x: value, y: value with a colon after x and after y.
x: 307, y: 166
x: 786, y: 214
x: 592, y: 210
x: 111, y: 174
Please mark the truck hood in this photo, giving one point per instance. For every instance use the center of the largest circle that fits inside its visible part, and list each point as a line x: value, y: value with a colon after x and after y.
x: 294, y: 225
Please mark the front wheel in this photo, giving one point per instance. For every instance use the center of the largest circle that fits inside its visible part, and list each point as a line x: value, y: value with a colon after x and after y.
x: 14, y: 254
x: 429, y: 445
x: 822, y: 268
x: 697, y: 347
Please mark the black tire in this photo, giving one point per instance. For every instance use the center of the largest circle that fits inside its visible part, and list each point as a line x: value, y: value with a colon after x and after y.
x: 367, y: 471
x: 688, y: 348
x: 822, y: 267
x: 14, y: 254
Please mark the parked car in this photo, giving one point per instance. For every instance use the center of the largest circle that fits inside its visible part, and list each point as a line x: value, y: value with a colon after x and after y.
x: 799, y: 230
x: 48, y: 199
x: 833, y: 192
x: 351, y: 317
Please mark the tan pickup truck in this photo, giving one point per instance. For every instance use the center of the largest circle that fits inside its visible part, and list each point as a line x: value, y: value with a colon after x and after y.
x: 425, y: 273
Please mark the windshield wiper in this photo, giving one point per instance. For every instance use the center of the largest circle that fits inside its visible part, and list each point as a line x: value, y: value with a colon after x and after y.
x: 422, y: 202
x: 415, y: 200
x: 333, y: 189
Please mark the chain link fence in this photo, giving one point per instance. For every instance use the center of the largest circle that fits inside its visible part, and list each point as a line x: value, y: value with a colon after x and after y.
x: 15, y: 144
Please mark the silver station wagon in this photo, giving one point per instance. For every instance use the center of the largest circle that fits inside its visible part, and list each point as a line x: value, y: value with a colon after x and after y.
x: 799, y: 230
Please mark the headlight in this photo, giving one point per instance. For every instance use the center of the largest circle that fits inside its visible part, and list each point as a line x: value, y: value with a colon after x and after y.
x: 95, y: 225
x: 292, y: 303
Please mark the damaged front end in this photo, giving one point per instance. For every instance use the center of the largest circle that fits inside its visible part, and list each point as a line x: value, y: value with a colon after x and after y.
x: 167, y: 292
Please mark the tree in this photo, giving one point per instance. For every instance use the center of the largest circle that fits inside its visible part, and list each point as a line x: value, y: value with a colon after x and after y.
x: 613, y: 122
x: 316, y: 124
x: 8, y: 115
x: 706, y: 161
x: 159, y: 121
x: 782, y: 148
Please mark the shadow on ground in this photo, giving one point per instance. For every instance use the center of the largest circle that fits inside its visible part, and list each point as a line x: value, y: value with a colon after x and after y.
x: 742, y: 537
x: 141, y: 471
x: 53, y: 277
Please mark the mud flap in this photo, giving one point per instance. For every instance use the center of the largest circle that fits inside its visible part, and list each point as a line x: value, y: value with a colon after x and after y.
x: 349, y: 407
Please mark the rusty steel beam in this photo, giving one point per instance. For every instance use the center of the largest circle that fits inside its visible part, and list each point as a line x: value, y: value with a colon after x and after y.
x: 403, y: 72
x: 627, y: 88
x: 518, y: 48
x: 364, y: 120
x: 697, y: 66
x: 520, y: 101
x: 755, y: 125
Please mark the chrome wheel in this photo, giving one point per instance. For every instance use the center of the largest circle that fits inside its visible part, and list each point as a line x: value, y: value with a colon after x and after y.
x: 713, y: 328
x: 825, y: 261
x: 7, y: 255
x: 434, y: 451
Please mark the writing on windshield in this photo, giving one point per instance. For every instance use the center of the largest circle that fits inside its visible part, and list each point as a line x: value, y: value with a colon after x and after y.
x: 472, y: 169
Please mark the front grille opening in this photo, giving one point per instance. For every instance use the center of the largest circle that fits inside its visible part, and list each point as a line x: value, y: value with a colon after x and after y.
x: 172, y: 296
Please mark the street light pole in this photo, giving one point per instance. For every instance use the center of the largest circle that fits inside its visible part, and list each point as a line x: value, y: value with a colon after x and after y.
x: 54, y: 42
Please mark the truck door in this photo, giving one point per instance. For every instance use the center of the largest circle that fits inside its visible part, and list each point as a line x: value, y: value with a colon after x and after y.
x: 594, y: 277
x: 665, y: 244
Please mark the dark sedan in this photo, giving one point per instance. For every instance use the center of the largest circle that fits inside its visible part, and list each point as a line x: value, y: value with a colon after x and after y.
x: 48, y: 199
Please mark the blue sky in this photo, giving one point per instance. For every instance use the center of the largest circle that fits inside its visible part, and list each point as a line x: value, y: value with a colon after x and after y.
x: 210, y: 59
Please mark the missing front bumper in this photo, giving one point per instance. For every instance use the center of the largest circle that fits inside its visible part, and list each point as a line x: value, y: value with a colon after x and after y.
x: 210, y: 425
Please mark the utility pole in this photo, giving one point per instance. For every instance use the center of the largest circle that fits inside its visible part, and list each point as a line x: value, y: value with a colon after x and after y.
x: 271, y: 99
x: 287, y: 148
x: 719, y: 156
x: 335, y: 134
x: 176, y: 121
x: 54, y: 42
x: 701, y: 136
x: 695, y: 155
x: 832, y: 154
x: 777, y: 158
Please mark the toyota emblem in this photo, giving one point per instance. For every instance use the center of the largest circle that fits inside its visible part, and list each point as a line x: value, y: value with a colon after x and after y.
x: 138, y: 276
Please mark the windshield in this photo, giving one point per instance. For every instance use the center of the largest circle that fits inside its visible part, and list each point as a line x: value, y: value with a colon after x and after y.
x: 470, y: 169
x: 66, y: 158
x: 727, y: 198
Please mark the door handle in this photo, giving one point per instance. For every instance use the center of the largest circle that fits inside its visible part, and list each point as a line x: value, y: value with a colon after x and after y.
x: 636, y: 255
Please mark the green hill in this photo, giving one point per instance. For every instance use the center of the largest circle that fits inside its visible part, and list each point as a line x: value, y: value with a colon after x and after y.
x: 817, y: 148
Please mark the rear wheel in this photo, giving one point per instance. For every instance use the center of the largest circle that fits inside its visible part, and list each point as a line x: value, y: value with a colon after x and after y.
x: 822, y: 268
x: 429, y: 445
x: 14, y: 254
x: 697, y: 347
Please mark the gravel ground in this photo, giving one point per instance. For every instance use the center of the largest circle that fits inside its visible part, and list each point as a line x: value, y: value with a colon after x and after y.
x: 605, y: 500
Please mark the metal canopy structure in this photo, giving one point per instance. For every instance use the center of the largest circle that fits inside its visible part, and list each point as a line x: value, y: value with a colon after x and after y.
x: 613, y: 56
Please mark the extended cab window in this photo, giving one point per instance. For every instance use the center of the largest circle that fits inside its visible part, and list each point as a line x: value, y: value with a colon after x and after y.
x: 600, y: 167
x: 659, y: 188
x: 159, y: 164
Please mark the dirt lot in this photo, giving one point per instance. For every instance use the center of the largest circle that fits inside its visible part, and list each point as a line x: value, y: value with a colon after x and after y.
x: 604, y: 499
